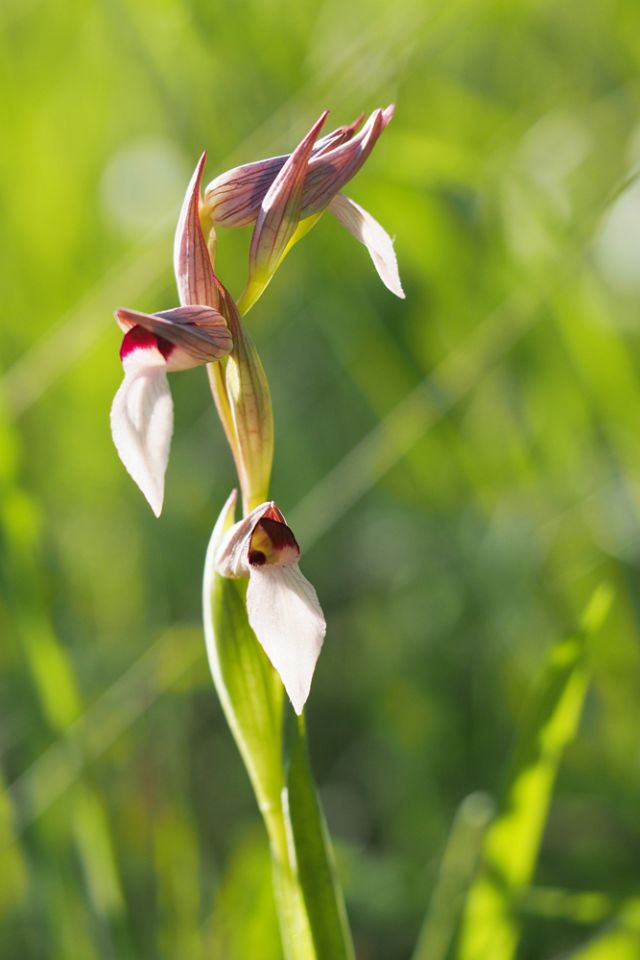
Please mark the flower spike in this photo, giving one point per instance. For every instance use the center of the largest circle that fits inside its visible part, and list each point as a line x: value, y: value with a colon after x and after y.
x: 283, y: 607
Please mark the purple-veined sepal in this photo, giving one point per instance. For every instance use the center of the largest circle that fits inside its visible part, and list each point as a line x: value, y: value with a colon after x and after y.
x: 234, y: 198
x: 282, y: 605
x: 192, y: 259
x: 285, y: 196
x: 330, y: 170
x: 278, y: 217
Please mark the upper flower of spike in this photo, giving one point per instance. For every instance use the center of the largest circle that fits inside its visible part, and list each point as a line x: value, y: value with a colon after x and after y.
x: 285, y: 195
x: 282, y: 606
x: 142, y: 410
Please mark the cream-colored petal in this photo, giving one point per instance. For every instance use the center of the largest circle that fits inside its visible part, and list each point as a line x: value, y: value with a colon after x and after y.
x: 368, y: 231
x: 286, y: 617
x: 141, y: 426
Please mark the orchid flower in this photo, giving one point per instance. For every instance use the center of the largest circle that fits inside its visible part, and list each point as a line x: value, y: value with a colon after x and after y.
x: 142, y: 411
x: 282, y: 606
x: 285, y: 195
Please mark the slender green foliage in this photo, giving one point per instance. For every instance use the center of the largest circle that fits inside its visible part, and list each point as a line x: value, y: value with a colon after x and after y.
x: 491, y: 923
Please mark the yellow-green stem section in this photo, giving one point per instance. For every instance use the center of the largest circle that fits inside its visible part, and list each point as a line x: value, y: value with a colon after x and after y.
x: 297, y: 943
x: 258, y: 283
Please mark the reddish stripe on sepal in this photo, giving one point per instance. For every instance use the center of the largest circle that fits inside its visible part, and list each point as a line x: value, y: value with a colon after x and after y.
x: 191, y: 262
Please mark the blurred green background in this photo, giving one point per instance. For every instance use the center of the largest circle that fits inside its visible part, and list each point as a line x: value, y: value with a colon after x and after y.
x: 461, y: 469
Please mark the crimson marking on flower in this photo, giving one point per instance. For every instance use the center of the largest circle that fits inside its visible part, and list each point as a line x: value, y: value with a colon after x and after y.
x: 282, y: 605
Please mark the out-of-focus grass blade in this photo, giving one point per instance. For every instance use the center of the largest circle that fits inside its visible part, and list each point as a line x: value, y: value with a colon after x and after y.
x: 177, y: 858
x: 316, y: 870
x: 620, y: 941
x: 13, y: 868
x: 588, y: 907
x: 95, y: 849
x: 458, y: 866
x: 54, y: 684
x: 244, y: 922
x: 490, y: 927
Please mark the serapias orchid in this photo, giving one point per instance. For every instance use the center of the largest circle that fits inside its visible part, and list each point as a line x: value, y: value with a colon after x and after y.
x: 285, y: 195
x: 142, y: 411
x: 282, y: 606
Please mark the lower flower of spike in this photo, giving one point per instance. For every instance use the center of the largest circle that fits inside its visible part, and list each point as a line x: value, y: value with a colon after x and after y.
x: 142, y: 411
x: 282, y: 606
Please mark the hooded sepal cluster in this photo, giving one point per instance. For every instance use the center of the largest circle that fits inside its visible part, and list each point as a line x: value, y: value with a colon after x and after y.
x: 142, y: 411
x: 281, y: 193
x: 282, y: 605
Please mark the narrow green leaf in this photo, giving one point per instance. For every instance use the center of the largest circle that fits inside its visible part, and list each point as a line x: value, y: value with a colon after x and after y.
x: 459, y: 863
x: 490, y: 925
x: 620, y: 940
x: 244, y: 922
x: 584, y: 906
x: 314, y: 861
x: 13, y: 865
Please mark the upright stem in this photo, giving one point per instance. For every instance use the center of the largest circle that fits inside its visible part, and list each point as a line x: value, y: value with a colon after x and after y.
x: 241, y: 393
x: 297, y: 943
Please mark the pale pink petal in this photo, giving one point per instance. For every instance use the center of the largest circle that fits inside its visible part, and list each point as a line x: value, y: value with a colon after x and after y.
x: 375, y: 238
x: 286, y: 617
x: 142, y: 424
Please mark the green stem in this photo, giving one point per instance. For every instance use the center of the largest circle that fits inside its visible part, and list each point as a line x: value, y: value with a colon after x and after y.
x: 309, y: 838
x: 297, y: 942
